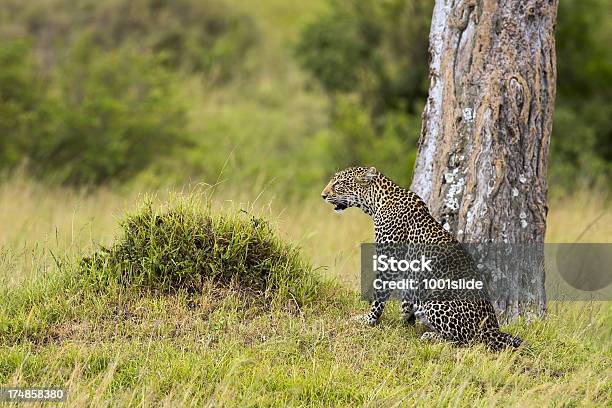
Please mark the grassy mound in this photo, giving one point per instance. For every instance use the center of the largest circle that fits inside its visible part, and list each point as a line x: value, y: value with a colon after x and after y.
x: 183, y: 249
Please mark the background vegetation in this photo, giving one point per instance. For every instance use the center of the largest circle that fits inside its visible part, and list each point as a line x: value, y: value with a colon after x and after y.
x: 162, y: 92
x: 105, y: 102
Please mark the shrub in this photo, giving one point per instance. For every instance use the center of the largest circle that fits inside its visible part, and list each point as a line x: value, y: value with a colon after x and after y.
x: 356, y: 139
x: 88, y: 87
x: 207, y: 36
x: 183, y: 249
x: 19, y: 101
x: 371, y: 58
x: 337, y: 51
x: 377, y: 50
x: 104, y: 116
x: 117, y: 113
x: 581, y: 152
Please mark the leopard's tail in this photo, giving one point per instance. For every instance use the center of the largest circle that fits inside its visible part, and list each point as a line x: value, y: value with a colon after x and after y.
x: 497, y: 340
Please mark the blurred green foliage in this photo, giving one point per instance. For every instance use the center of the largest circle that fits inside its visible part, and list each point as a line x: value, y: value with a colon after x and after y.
x: 375, y: 49
x: 371, y: 58
x: 101, y: 116
x: 114, y: 113
x: 197, y: 36
x: 160, y: 91
x: 20, y: 102
x: 88, y: 88
x: 581, y: 145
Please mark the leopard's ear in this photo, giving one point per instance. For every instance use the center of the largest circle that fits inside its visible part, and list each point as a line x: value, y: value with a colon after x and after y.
x: 370, y: 174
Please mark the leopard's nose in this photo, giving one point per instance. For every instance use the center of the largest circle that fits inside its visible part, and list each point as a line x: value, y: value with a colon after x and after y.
x: 324, y: 195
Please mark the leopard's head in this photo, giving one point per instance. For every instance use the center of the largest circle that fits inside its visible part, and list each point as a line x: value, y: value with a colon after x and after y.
x: 353, y: 187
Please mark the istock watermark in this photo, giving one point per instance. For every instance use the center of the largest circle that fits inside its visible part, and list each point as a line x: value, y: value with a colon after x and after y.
x: 565, y: 271
x: 428, y: 284
x: 383, y: 263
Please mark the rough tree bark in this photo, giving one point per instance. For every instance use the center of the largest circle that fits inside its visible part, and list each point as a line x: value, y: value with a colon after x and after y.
x: 482, y: 158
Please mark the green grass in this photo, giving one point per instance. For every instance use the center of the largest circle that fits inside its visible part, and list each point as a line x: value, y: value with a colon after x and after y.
x: 112, y: 344
x: 186, y: 248
x: 116, y: 342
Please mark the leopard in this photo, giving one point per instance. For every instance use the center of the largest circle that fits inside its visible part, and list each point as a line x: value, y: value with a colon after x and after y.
x: 401, y: 217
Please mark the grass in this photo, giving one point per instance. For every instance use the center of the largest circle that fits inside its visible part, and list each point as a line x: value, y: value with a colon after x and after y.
x: 216, y: 347
x: 116, y: 345
x: 186, y: 248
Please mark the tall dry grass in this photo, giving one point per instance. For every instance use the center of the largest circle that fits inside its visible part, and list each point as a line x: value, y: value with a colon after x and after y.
x: 38, y: 220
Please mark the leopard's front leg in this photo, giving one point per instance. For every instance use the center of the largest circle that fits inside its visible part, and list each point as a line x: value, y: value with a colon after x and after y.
x: 381, y: 296
x: 408, y: 315
x: 378, y: 306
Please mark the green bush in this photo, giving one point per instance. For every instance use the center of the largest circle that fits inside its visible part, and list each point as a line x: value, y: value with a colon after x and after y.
x: 355, y: 139
x: 206, y: 37
x: 371, y: 58
x: 88, y: 87
x: 184, y: 249
x: 20, y: 100
x: 581, y: 151
x: 114, y: 114
x: 338, y: 52
x: 377, y: 50
x: 99, y: 117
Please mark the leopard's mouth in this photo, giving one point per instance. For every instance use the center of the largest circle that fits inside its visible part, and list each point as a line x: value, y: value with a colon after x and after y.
x: 339, y: 207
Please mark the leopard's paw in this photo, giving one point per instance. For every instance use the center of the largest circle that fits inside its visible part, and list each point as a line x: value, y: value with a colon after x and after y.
x: 433, y: 337
x: 364, y: 319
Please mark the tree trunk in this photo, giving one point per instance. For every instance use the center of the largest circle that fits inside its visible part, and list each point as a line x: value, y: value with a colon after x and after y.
x: 481, y: 164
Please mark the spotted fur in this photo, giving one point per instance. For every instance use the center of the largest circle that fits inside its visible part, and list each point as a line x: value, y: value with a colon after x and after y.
x: 401, y: 217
